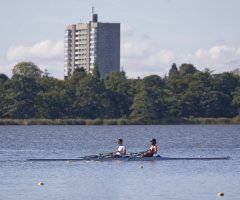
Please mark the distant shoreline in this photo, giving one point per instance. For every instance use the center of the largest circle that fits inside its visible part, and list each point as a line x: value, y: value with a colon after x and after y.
x: 87, y: 122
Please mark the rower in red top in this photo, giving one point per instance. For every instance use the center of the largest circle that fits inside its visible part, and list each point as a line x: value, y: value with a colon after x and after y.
x: 152, y: 150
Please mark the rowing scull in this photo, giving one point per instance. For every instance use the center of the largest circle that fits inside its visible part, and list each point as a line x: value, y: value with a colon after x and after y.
x: 127, y: 158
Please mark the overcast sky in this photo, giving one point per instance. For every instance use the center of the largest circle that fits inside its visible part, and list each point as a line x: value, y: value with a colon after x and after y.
x: 154, y: 33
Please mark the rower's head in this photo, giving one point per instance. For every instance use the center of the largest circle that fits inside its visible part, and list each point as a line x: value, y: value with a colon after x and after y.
x: 153, y: 141
x: 120, y: 141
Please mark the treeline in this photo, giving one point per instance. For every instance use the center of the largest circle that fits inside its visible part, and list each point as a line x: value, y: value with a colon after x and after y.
x: 186, y: 93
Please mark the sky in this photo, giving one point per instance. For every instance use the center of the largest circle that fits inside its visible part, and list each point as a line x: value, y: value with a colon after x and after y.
x: 154, y: 34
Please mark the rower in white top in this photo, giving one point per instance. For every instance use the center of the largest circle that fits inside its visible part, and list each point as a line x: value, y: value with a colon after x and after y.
x: 121, y: 149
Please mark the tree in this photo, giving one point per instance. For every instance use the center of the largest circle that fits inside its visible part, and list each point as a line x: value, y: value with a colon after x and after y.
x: 148, y: 105
x: 27, y: 69
x: 236, y: 72
x: 117, y: 81
x: 95, y: 71
x: 225, y: 82
x: 46, y: 73
x: 77, y: 76
x: 184, y: 93
x: 69, y: 94
x: 153, y: 85
x: 79, y: 69
x: 3, y: 77
x: 202, y: 101
x: 19, y: 101
x: 91, y: 99
x: 118, y: 94
x: 187, y: 69
x: 236, y: 99
x: 143, y: 109
x: 50, y: 102
x: 3, y: 80
x: 196, y: 95
x: 173, y: 71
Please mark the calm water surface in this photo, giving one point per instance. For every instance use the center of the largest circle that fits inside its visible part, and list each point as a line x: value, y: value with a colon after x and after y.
x: 180, y: 180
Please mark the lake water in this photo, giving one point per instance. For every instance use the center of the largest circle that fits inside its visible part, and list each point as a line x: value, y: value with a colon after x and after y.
x: 180, y: 180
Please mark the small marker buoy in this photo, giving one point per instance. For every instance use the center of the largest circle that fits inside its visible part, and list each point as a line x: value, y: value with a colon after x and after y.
x: 220, y: 194
x: 141, y: 167
x: 31, y: 162
x: 199, y: 156
x: 41, y: 183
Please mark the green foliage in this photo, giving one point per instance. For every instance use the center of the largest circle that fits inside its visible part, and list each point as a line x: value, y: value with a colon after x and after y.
x: 236, y: 96
x: 144, y: 109
x: 27, y: 69
x: 185, y: 96
x: 110, y: 122
x: 95, y: 71
x: 79, y: 69
x: 185, y: 69
x: 201, y: 95
x: 173, y: 71
x: 235, y: 120
x: 172, y: 120
x: 50, y: 101
x: 69, y: 94
x: 20, y: 98
x: 119, y: 99
x: 226, y: 82
x: 123, y: 122
x: 91, y: 98
x: 219, y: 121
x: 3, y: 78
x: 2, y: 95
x: 236, y: 99
x: 149, y: 103
x: 94, y: 122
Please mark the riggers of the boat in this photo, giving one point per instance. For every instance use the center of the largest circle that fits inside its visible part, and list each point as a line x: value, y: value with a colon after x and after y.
x: 156, y: 158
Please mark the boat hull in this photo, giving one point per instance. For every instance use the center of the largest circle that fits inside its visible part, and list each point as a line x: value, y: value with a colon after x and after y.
x: 129, y: 159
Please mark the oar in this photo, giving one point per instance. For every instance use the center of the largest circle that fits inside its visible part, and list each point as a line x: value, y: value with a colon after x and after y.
x: 104, y: 155
x: 97, y: 156
x: 136, y: 154
x: 131, y: 157
x: 92, y: 156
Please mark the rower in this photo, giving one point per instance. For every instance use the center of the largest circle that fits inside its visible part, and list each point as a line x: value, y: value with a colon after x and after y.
x: 152, y: 150
x: 121, y: 149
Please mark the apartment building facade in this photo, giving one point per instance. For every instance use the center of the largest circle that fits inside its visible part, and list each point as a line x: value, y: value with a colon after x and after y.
x: 92, y: 43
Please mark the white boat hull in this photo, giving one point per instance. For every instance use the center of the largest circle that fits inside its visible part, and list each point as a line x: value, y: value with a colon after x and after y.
x: 129, y: 159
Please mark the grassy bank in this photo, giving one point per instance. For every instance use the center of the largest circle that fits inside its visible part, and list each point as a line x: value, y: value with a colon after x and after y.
x: 64, y: 122
x: 172, y: 121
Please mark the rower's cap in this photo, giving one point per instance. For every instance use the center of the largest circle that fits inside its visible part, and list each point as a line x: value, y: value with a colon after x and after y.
x: 153, y: 140
x: 120, y: 140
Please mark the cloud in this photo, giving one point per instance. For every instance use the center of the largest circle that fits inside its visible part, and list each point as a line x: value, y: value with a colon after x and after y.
x: 44, y: 50
x: 219, y: 58
x: 46, y: 54
x: 135, y: 50
x: 140, y: 59
x: 137, y: 58
x: 55, y: 68
x: 5, y: 68
x: 163, y: 57
x: 126, y: 30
